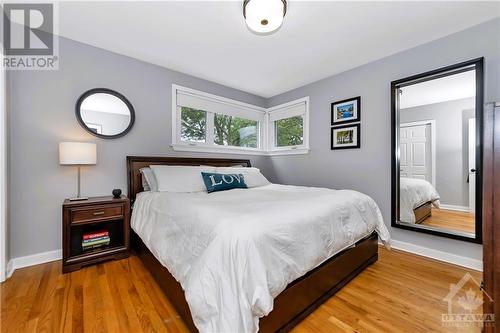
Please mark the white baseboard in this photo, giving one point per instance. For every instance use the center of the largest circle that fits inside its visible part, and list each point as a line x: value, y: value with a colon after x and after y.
x: 34, y: 259
x: 475, y: 264
x: 10, y: 269
x: 454, y: 207
x: 438, y: 255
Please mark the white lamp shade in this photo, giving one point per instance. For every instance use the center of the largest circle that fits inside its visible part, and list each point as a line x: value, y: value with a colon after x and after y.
x: 77, y: 153
x: 264, y: 16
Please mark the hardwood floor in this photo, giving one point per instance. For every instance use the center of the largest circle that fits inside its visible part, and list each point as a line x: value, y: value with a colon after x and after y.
x: 451, y: 219
x: 399, y: 293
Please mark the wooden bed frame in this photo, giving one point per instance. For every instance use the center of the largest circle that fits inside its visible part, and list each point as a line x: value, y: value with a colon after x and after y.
x: 298, y: 300
x: 422, y: 212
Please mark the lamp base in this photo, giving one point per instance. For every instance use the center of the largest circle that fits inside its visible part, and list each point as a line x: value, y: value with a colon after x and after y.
x: 79, y: 199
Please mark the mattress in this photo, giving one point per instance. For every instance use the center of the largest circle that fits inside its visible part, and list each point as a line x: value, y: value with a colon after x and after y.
x: 234, y: 251
x: 414, y: 193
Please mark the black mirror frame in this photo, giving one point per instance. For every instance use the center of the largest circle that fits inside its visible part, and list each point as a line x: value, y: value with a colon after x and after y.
x: 110, y: 92
x: 478, y: 65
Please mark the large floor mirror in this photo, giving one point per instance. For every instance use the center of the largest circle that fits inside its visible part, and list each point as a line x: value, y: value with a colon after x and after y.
x: 437, y: 151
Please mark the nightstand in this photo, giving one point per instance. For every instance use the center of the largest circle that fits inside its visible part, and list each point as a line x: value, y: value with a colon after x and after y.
x: 93, y: 215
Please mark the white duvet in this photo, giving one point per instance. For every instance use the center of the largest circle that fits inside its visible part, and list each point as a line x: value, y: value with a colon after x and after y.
x: 413, y: 193
x: 234, y: 251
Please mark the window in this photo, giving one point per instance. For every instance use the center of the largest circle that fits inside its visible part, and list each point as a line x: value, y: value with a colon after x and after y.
x: 193, y: 125
x: 288, y: 132
x: 209, y: 123
x: 235, y: 131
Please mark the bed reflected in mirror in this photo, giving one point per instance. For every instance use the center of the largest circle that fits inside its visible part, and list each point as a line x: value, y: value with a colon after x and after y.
x: 437, y: 152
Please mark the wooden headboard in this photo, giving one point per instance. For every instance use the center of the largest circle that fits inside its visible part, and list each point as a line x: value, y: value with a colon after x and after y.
x: 135, y: 163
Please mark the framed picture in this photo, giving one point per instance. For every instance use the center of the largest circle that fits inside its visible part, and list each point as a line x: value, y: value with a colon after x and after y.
x: 96, y: 128
x: 346, y: 111
x: 346, y: 137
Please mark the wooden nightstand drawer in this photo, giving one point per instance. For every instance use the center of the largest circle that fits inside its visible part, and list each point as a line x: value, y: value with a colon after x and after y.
x: 96, y: 213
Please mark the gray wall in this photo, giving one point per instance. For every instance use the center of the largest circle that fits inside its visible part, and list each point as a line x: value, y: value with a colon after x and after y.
x: 451, y: 146
x: 8, y: 184
x: 368, y: 169
x: 42, y: 115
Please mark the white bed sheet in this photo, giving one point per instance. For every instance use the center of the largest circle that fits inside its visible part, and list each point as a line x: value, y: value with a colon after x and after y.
x: 413, y: 193
x: 234, y: 251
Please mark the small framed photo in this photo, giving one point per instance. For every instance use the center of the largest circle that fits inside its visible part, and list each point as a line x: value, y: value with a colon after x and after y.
x: 346, y: 111
x: 346, y: 137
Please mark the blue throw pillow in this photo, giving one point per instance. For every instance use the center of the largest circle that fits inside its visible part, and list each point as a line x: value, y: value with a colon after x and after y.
x: 221, y: 182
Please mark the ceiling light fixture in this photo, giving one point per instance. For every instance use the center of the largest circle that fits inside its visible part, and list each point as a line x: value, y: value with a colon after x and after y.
x: 264, y: 16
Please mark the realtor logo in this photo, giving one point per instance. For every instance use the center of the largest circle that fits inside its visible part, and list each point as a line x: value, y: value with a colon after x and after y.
x: 29, y: 39
x: 464, y: 305
x: 27, y: 29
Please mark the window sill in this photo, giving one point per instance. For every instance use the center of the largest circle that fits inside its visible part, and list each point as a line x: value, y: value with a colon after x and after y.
x: 297, y: 151
x: 218, y: 150
x: 236, y: 151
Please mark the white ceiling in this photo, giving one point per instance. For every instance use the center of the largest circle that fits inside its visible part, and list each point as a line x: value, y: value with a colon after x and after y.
x: 444, y: 89
x: 209, y: 39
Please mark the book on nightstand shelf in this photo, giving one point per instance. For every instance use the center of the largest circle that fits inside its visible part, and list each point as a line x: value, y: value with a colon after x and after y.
x: 95, y: 239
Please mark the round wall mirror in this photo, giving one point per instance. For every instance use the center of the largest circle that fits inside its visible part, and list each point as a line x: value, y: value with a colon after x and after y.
x: 105, y: 113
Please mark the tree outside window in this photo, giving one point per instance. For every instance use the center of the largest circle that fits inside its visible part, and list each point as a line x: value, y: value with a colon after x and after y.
x: 234, y: 131
x: 289, y: 132
x: 238, y: 132
x: 193, y: 125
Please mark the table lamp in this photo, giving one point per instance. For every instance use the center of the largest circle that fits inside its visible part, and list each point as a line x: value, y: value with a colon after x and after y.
x: 77, y: 153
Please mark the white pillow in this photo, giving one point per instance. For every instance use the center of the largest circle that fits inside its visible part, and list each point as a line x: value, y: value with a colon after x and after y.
x: 145, y: 185
x: 149, y: 182
x: 179, y: 178
x: 253, y: 176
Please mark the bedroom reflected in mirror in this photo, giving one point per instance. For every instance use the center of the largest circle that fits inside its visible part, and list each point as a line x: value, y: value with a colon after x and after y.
x: 437, y: 150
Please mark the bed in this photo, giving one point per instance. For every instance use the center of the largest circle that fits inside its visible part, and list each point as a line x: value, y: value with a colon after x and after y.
x: 225, y: 278
x: 418, y: 196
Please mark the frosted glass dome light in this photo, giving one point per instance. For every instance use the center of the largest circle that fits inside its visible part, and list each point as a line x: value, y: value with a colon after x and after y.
x: 264, y: 16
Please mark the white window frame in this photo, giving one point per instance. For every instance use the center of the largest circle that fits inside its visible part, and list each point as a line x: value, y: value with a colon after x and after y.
x: 208, y: 146
x: 266, y: 128
x: 272, y: 149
